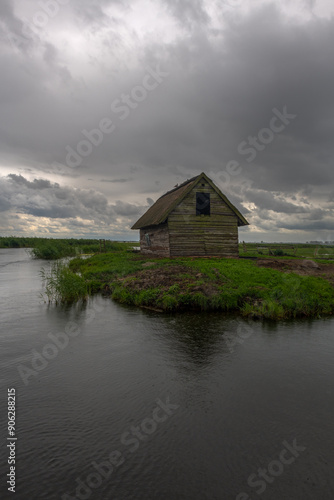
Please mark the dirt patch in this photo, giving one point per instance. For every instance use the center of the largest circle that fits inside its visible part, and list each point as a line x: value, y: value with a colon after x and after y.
x: 303, y: 267
x: 148, y: 264
x: 186, y: 279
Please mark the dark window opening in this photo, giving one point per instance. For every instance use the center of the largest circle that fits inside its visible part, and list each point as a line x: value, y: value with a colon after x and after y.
x: 202, y: 203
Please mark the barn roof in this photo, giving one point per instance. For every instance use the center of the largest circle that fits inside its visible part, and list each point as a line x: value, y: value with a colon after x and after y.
x: 159, y: 211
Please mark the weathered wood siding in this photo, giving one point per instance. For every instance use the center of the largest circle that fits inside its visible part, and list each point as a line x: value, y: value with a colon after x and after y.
x: 214, y: 234
x: 159, y: 240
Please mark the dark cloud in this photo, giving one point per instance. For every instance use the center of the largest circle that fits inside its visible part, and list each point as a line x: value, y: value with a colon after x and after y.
x: 322, y: 225
x: 267, y: 200
x: 35, y: 184
x: 228, y: 69
x: 42, y: 199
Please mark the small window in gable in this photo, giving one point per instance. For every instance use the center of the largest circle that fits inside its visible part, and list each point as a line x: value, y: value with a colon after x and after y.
x: 202, y: 203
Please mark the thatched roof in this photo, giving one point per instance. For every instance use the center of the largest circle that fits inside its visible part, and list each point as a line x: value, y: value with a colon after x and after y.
x: 159, y: 211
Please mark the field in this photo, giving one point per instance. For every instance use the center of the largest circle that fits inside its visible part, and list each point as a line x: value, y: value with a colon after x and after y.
x: 290, y: 250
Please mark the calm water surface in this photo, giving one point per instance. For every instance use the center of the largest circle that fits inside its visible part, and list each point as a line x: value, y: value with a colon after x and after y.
x: 234, y: 406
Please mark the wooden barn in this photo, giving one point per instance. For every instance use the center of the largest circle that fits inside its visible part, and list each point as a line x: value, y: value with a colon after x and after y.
x: 193, y: 219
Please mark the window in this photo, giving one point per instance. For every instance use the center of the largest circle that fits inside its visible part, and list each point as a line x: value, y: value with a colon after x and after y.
x: 202, y: 203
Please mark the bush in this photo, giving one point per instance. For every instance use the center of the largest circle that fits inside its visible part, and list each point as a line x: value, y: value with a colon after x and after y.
x: 52, y: 250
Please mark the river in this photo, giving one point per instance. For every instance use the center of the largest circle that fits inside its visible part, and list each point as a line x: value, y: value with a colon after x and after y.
x: 122, y: 403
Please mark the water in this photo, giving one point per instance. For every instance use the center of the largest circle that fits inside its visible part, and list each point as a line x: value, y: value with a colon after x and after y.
x: 235, y: 406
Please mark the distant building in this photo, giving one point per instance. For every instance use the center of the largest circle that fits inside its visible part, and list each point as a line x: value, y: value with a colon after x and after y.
x: 193, y: 219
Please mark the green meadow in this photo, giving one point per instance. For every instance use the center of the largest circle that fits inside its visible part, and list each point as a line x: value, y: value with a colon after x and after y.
x: 178, y: 284
x: 201, y: 284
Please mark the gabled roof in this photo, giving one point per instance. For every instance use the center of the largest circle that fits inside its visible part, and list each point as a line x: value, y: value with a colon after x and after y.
x: 159, y: 211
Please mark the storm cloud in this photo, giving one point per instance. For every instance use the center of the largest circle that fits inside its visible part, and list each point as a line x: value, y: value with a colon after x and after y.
x: 227, y: 66
x: 67, y: 206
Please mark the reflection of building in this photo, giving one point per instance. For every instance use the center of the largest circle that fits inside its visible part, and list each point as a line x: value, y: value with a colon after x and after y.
x: 194, y: 218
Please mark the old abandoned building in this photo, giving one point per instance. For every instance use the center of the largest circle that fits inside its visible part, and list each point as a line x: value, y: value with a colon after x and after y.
x: 193, y: 219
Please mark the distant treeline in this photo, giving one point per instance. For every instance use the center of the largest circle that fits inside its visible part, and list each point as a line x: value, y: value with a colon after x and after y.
x: 51, y: 249
x: 18, y: 242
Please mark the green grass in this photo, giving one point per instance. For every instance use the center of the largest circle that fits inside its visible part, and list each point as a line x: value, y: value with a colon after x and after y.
x: 183, y: 283
x: 303, y: 250
x: 207, y: 284
x: 106, y: 267
x: 63, y: 286
x: 81, y: 277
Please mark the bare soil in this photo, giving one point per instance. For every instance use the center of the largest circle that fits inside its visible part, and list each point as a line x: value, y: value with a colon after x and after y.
x: 186, y: 278
x: 303, y: 267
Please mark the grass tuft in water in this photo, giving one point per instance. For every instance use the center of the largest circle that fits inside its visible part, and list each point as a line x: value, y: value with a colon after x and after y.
x: 62, y: 285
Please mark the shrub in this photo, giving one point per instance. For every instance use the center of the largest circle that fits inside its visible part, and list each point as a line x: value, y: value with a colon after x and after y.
x: 52, y: 250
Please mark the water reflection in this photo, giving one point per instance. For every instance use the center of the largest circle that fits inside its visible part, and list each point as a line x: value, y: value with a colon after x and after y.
x: 240, y: 397
x: 200, y: 336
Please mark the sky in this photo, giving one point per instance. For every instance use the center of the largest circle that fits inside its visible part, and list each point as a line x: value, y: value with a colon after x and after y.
x: 108, y: 104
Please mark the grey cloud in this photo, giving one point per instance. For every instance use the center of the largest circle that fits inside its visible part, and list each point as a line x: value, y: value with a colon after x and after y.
x: 35, y: 184
x: 115, y: 181
x: 126, y: 209
x: 270, y: 201
x: 188, y: 11
x: 221, y: 90
x: 308, y: 225
x: 11, y: 26
x: 41, y: 198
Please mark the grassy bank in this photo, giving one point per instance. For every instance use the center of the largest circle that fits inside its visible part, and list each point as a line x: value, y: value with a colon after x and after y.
x: 203, y: 284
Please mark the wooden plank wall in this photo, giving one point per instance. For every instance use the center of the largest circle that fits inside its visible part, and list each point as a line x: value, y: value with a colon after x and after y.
x: 159, y: 238
x: 214, y: 234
